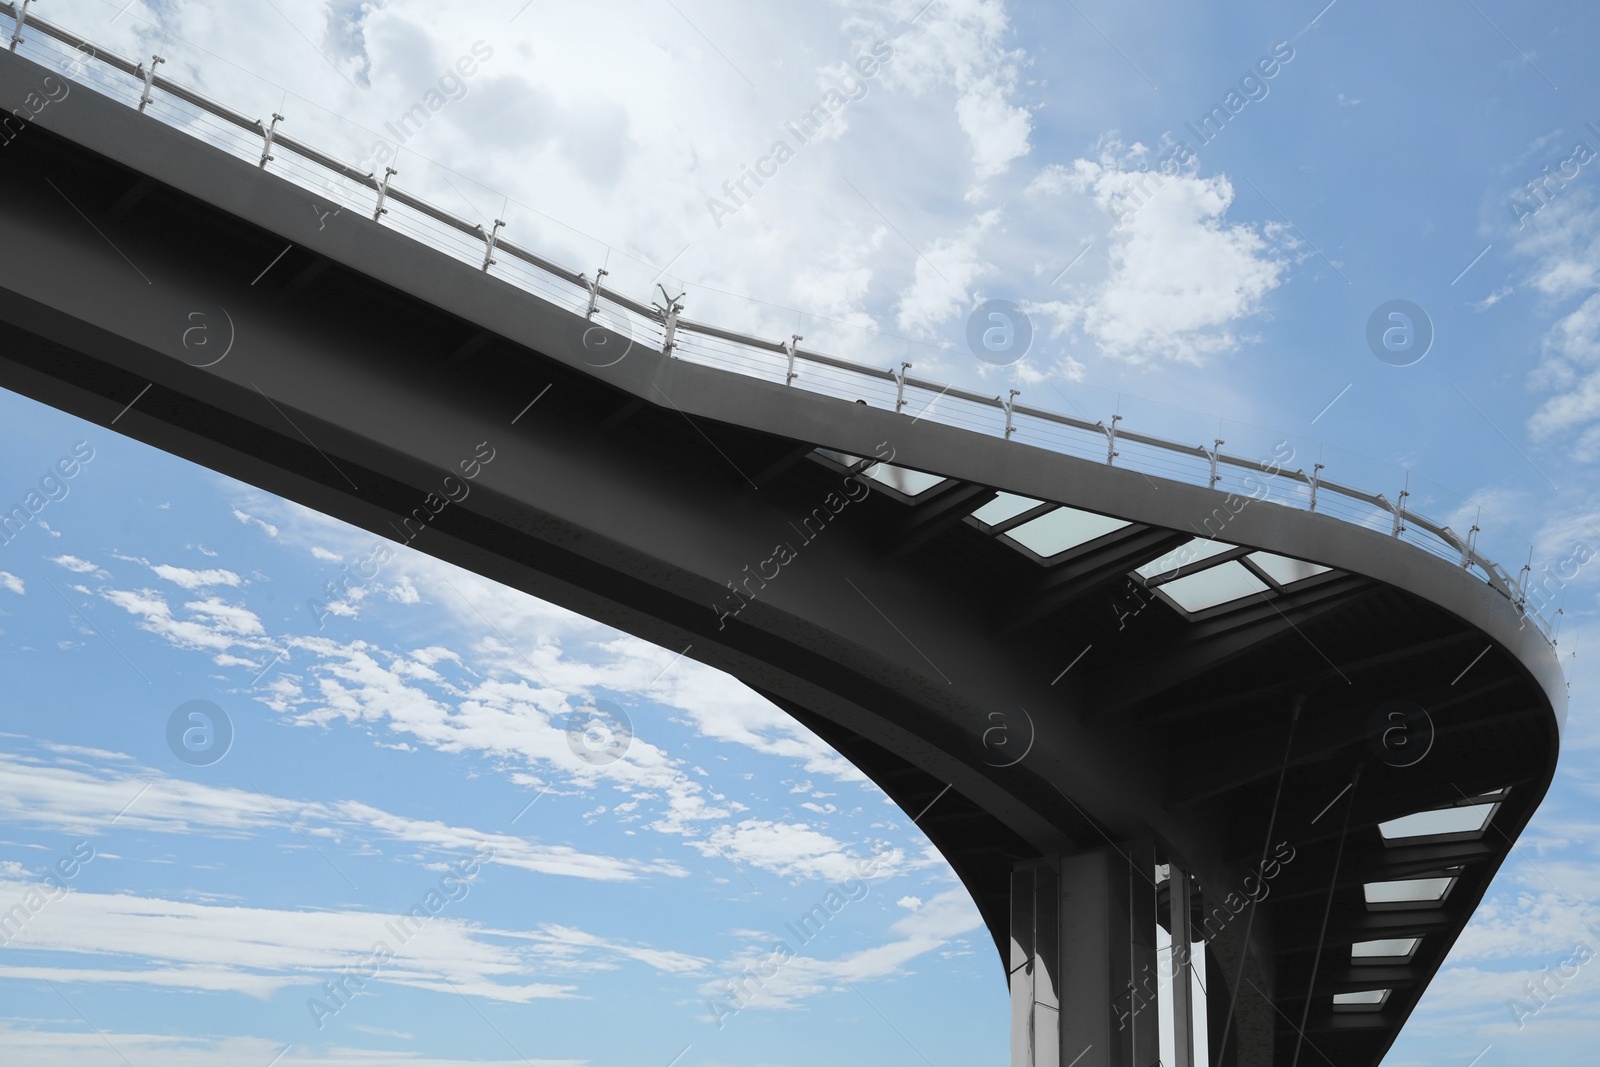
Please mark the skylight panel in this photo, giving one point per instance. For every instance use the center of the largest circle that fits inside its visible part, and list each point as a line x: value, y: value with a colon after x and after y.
x: 1407, y: 890
x: 1366, y: 998
x: 909, y: 482
x: 1061, y: 529
x: 1003, y: 507
x: 1386, y: 948
x: 1286, y: 571
x: 1462, y: 820
x: 1215, y: 585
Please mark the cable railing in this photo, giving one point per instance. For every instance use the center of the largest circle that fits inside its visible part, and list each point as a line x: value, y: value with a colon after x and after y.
x: 661, y: 323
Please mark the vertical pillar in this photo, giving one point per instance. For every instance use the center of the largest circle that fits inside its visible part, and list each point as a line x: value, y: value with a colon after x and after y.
x: 1035, y: 965
x: 1182, y: 989
x: 1143, y: 1022
x: 1081, y: 935
x: 1254, y: 1017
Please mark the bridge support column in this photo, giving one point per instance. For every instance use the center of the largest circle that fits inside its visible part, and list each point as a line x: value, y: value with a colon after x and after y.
x: 1250, y: 1036
x: 1182, y: 988
x: 1083, y: 962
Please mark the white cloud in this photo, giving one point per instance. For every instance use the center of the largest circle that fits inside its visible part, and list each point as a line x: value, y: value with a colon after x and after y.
x: 945, y: 274
x: 403, y: 592
x: 157, y: 618
x: 12, y: 582
x: 930, y: 927
x: 1181, y: 276
x: 1571, y: 364
x: 79, y: 566
x: 228, y: 617
x: 1562, y: 246
x: 790, y: 850
x: 97, y: 754
x: 83, y: 801
x: 251, y: 520
x: 191, y: 579
x: 259, y: 951
x: 107, y: 1047
x: 960, y: 46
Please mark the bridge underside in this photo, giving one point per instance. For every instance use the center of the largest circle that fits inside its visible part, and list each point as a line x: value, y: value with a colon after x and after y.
x: 1139, y: 723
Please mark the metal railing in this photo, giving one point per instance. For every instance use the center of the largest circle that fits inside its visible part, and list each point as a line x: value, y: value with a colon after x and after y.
x: 743, y: 353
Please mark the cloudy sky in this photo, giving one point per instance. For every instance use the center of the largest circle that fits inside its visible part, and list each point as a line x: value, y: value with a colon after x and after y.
x: 1198, y: 244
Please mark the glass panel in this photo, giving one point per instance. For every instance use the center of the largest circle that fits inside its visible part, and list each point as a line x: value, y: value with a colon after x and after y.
x: 1408, y: 889
x: 1399, y: 947
x: 1185, y: 555
x: 1442, y: 821
x: 1286, y: 571
x: 1365, y: 998
x: 909, y: 482
x: 1063, y: 528
x: 1215, y: 585
x: 1003, y: 507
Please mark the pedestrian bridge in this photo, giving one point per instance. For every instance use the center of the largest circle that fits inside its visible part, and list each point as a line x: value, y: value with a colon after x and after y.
x: 1121, y: 683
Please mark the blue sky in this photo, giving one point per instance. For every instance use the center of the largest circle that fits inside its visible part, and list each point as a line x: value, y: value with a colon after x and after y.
x: 994, y: 155
x: 374, y: 757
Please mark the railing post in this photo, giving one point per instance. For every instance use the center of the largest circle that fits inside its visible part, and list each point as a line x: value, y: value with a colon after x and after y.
x: 1472, y: 543
x: 22, y: 19
x: 383, y: 193
x: 1315, y: 468
x: 149, y: 77
x: 1215, y: 448
x: 1111, y: 439
x: 269, y: 132
x: 788, y: 379
x: 669, y: 318
x: 900, y: 386
x: 594, y: 293
x: 1400, y: 509
x: 489, y: 238
x: 1008, y: 404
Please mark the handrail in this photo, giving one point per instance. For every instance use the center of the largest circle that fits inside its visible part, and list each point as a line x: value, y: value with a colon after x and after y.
x: 1495, y: 576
